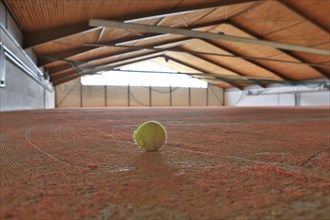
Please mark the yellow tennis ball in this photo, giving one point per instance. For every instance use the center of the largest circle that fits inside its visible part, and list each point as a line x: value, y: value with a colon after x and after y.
x: 150, y: 136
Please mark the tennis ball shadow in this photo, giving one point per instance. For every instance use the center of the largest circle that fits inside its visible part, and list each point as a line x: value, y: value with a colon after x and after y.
x: 152, y: 163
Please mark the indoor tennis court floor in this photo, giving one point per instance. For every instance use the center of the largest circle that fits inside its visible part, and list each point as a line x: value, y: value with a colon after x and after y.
x: 218, y: 163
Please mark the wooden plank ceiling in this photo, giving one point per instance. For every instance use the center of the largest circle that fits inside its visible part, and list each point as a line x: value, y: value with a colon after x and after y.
x: 68, y: 47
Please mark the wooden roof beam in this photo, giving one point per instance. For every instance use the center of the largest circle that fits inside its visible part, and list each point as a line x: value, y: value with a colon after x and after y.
x: 203, y: 35
x: 55, y: 77
x: 289, y: 53
x: 304, y: 15
x: 32, y: 39
x: 188, y: 9
x: 276, y: 73
x: 136, y: 59
x: 64, y: 80
x: 224, y: 67
x: 200, y: 70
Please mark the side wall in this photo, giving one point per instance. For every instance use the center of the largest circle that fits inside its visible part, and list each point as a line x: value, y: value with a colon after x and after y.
x: 22, y: 85
x: 73, y: 94
x: 316, y: 94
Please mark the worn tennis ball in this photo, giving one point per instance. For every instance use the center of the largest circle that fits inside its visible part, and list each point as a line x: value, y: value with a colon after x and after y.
x: 150, y: 136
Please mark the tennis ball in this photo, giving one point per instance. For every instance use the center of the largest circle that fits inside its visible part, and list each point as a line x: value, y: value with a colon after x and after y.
x: 150, y: 136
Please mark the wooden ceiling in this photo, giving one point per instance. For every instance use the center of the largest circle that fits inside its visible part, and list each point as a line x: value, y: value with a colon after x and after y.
x: 67, y: 47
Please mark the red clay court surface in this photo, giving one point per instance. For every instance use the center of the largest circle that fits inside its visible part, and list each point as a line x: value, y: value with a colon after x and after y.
x: 218, y: 163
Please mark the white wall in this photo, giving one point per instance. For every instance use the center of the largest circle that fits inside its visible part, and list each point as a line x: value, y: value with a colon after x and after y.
x: 139, y: 96
x: 198, y: 97
x: 117, y: 96
x: 160, y: 96
x: 73, y: 94
x: 315, y: 99
x: 180, y: 97
x: 239, y: 98
x: 69, y: 94
x: 278, y: 95
x: 93, y: 96
x: 16, y: 97
x: 24, y: 86
x: 215, y: 96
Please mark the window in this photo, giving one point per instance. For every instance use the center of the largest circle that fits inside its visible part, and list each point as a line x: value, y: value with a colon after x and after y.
x: 165, y: 78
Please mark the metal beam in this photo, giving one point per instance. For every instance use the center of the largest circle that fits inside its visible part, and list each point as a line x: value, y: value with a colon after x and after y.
x: 63, y: 67
x: 137, y: 59
x: 32, y: 39
x: 85, y: 49
x: 289, y: 53
x: 123, y: 62
x: 67, y: 66
x: 126, y: 40
x: 112, y: 65
x: 100, y: 35
x: 107, y: 66
x: 164, y: 50
x: 180, y: 42
x: 65, y: 76
x: 203, y: 35
x: 42, y: 61
x: 234, y: 54
x: 54, y: 78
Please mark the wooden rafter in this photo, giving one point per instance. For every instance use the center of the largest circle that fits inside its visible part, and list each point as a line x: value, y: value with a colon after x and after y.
x: 223, y: 66
x: 199, y: 69
x: 305, y: 16
x: 289, y: 53
x: 276, y: 73
x: 32, y: 39
x: 66, y: 79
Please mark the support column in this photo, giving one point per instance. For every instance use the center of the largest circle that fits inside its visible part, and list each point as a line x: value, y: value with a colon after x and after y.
x: 81, y: 96
x: 150, y: 96
x: 128, y: 96
x: 207, y: 95
x: 297, y: 99
x: 171, y: 96
x: 189, y: 96
x: 105, y: 96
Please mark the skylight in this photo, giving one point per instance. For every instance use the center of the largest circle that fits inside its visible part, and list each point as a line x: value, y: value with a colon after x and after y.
x: 143, y: 78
